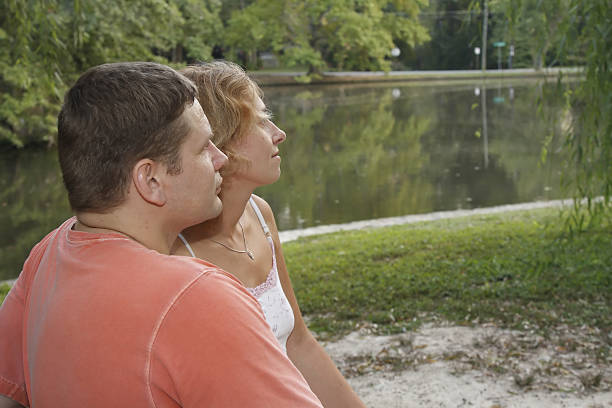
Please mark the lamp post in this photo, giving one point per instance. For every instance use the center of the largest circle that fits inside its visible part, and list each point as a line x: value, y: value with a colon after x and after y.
x: 476, y: 53
x: 483, y: 63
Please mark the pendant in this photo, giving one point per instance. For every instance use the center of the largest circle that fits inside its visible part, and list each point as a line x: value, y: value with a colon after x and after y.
x: 250, y: 254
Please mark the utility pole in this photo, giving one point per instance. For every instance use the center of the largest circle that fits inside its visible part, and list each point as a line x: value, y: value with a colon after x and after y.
x: 485, y: 23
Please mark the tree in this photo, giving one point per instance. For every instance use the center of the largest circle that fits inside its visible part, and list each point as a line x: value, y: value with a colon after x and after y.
x: 588, y: 28
x: 341, y: 34
x: 45, y: 44
x: 454, y: 32
x: 31, y: 55
x: 532, y: 26
x: 580, y: 31
x: 200, y: 30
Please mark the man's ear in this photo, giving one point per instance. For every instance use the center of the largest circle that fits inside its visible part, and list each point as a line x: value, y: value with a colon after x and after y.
x: 147, y: 178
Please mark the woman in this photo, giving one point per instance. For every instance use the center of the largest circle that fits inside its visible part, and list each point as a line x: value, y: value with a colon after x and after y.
x: 244, y: 238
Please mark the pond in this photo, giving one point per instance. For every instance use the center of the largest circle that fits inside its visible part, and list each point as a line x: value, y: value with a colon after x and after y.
x: 357, y: 152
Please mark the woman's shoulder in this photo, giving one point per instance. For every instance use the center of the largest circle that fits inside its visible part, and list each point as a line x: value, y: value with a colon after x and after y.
x: 266, y: 211
x: 263, y: 206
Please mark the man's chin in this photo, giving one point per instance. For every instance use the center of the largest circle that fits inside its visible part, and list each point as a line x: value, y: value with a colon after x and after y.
x: 217, y: 207
x: 210, y: 212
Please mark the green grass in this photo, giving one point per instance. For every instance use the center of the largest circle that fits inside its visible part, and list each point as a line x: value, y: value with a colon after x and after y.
x: 4, y: 289
x: 519, y: 270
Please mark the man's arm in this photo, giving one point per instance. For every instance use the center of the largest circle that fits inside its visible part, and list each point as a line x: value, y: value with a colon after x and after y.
x: 6, y: 402
x: 12, y: 375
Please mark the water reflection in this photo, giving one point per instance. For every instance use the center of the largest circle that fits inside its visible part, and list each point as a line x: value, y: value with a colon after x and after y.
x: 33, y: 202
x: 353, y: 153
x: 364, y: 152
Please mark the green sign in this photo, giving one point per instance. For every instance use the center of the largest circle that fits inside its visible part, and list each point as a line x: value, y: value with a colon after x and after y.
x: 499, y: 44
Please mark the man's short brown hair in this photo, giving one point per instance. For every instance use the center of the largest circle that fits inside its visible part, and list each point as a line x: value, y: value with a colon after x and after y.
x: 113, y: 116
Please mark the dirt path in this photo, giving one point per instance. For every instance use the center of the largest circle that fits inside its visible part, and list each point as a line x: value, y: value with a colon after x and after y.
x: 453, y: 366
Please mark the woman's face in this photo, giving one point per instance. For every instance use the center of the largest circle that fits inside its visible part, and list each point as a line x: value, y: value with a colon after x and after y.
x: 259, y: 146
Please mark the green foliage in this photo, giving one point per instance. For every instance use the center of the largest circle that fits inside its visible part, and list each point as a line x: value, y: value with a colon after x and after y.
x: 46, y: 44
x: 31, y: 55
x: 454, y: 30
x: 341, y: 34
x: 200, y: 30
x: 4, y: 290
x: 581, y: 31
x: 506, y: 268
x: 534, y: 27
x: 589, y: 28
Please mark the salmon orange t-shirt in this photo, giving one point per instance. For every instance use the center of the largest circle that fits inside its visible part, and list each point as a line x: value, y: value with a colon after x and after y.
x: 98, y: 320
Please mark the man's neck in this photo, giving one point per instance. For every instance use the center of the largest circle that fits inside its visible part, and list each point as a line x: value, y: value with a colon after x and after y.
x: 149, y: 235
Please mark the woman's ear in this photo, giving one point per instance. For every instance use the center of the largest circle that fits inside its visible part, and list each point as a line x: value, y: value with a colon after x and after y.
x: 146, y: 177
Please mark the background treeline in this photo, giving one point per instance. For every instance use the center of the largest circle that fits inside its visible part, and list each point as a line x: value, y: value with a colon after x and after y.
x: 45, y: 44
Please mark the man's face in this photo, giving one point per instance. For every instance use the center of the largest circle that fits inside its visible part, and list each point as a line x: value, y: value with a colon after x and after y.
x: 192, y: 194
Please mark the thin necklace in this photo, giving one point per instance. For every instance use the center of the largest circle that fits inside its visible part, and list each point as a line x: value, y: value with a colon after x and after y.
x: 246, y: 249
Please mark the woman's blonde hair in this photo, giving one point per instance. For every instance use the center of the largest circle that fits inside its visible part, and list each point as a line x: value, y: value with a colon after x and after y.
x: 228, y: 97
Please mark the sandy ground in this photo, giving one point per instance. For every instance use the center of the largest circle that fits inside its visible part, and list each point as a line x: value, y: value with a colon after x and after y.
x: 454, y: 366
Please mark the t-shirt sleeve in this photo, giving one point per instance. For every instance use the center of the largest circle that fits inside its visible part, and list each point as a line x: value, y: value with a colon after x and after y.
x: 12, y: 381
x: 12, y: 314
x: 214, y: 348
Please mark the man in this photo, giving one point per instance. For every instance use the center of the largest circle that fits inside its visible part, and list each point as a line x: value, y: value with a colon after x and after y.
x: 103, y: 316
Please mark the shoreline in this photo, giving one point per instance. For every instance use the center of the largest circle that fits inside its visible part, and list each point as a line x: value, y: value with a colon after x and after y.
x: 265, y: 78
x: 292, y: 235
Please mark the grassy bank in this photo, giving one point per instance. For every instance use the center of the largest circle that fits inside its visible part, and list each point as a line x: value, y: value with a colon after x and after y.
x: 516, y: 269
x: 4, y: 289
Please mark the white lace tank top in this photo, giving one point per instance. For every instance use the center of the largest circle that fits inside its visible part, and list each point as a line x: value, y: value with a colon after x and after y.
x: 270, y: 294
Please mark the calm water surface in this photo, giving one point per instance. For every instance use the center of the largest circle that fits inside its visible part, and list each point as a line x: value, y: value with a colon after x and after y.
x: 356, y: 152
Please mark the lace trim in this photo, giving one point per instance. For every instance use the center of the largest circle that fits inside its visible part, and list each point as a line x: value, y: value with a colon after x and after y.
x: 271, y: 280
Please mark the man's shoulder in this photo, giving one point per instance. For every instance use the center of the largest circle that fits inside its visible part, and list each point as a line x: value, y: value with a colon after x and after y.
x: 211, y: 279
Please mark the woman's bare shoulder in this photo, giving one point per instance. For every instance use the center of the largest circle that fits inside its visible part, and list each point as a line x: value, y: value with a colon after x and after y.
x: 263, y: 206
